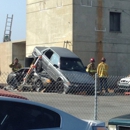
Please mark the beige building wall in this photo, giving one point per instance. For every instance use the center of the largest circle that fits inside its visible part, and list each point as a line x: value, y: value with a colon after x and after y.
x: 9, y: 50
x: 49, y: 23
x: 85, y: 24
x: 19, y: 51
x: 5, y: 56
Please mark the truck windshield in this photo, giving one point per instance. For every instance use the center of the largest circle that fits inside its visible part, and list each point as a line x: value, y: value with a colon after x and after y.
x: 71, y: 64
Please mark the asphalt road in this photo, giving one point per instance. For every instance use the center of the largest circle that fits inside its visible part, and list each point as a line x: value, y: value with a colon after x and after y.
x: 82, y: 106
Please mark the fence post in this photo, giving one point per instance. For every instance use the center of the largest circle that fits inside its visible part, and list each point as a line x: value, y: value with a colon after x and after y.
x: 95, y: 99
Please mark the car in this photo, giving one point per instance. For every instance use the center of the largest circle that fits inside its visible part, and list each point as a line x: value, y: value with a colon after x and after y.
x: 15, y: 79
x: 4, y: 93
x: 65, y: 69
x: 21, y: 114
x: 123, y: 85
x: 119, y: 123
x: 34, y: 82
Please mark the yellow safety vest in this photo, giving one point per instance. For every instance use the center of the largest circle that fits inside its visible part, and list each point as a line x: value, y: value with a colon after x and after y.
x: 91, y: 69
x: 102, y: 70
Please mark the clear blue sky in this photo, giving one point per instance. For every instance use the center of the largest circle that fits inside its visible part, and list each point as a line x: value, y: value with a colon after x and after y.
x: 18, y: 9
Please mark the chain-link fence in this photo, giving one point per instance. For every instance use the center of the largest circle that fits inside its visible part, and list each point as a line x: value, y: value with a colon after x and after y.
x: 86, y: 97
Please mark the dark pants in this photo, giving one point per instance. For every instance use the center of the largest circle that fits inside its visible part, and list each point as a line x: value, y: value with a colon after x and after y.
x: 103, y: 83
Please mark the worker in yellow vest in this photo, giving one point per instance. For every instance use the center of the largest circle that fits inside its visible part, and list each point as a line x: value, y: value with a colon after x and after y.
x: 91, y: 68
x: 102, y: 71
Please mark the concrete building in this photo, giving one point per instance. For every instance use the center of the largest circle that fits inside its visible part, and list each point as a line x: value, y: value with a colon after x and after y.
x: 90, y: 28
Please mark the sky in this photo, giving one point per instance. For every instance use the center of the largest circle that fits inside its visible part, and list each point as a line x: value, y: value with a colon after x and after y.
x: 17, y: 8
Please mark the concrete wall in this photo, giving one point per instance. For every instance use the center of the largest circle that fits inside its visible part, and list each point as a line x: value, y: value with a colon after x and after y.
x: 19, y: 51
x: 49, y: 23
x: 84, y: 30
x: 85, y: 25
x: 117, y: 45
x: 9, y: 50
x: 5, y: 56
x: 92, y: 37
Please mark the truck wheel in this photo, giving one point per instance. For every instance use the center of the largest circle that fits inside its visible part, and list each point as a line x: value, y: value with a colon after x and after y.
x: 59, y: 86
x: 55, y: 87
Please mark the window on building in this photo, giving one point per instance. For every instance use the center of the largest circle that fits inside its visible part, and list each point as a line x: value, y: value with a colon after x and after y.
x: 115, y: 21
x: 86, y: 2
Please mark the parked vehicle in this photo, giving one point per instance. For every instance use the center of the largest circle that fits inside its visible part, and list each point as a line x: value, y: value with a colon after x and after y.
x: 119, y: 123
x: 59, y: 65
x: 16, y: 78
x: 35, y: 82
x: 21, y: 114
x: 65, y: 69
x: 123, y: 85
x: 4, y: 93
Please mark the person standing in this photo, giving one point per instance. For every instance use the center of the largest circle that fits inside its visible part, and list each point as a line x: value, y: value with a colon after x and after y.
x: 15, y: 65
x: 91, y: 68
x: 11, y: 79
x: 102, y: 71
